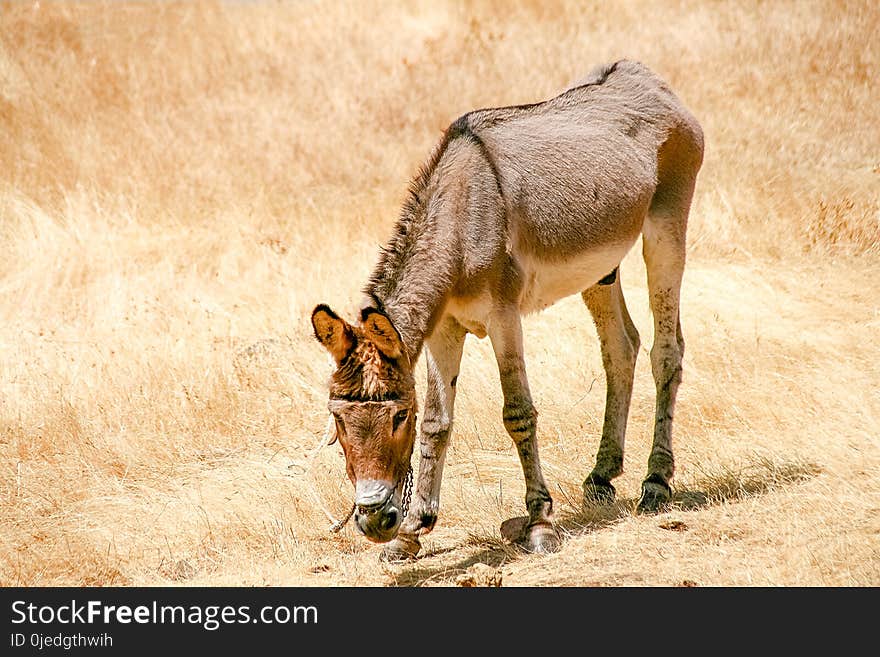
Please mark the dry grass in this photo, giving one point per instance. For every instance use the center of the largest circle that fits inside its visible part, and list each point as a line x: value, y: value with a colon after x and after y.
x: 179, y: 182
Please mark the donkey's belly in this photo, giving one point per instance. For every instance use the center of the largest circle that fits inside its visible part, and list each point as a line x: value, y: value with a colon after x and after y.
x: 546, y: 282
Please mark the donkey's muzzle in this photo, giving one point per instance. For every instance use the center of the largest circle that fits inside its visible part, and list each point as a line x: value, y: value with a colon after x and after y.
x: 377, y: 515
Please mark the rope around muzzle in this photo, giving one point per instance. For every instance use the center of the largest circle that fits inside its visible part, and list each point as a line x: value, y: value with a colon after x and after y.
x: 407, y: 493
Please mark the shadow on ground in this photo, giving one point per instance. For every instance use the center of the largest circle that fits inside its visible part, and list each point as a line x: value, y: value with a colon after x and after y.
x: 709, y: 488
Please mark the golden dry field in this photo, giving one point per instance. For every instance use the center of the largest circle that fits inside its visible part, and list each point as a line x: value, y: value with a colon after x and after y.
x: 181, y: 183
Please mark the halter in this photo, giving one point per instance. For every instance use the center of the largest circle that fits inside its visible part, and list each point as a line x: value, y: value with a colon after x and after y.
x: 407, y: 493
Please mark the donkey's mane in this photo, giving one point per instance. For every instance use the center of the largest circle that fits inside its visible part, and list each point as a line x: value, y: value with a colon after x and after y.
x: 406, y: 229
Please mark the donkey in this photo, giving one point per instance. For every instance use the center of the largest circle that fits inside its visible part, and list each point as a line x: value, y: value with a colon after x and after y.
x: 516, y: 208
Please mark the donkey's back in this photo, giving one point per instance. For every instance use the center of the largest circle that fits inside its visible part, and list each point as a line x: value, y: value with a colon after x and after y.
x: 574, y: 179
x: 580, y: 168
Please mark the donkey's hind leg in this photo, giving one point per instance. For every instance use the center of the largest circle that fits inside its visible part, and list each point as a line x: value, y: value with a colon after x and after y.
x: 619, y: 341
x: 663, y: 247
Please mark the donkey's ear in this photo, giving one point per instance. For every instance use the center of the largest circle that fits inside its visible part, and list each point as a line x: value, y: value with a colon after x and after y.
x: 381, y: 332
x: 333, y: 332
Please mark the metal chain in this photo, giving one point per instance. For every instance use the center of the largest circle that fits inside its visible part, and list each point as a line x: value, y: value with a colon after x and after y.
x: 407, y: 492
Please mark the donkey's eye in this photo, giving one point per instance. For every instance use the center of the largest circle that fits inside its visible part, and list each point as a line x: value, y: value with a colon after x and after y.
x: 400, y: 418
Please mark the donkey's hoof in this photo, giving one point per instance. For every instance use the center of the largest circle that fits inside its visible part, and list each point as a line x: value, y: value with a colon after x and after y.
x: 598, y: 490
x: 656, y: 495
x: 401, y: 548
x: 542, y: 539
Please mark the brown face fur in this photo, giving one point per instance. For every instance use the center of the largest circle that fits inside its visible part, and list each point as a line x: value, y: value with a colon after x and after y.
x: 372, y: 394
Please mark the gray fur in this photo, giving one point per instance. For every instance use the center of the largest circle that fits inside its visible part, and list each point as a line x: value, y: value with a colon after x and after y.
x: 516, y: 208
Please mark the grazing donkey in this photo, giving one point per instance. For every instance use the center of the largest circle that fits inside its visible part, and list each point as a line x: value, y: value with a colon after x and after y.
x: 517, y: 208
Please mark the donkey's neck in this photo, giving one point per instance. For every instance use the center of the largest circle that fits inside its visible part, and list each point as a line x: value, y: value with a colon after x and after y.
x: 415, y: 273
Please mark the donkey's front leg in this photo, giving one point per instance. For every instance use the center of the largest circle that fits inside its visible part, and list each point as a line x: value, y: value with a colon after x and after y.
x: 443, y: 352
x: 520, y: 420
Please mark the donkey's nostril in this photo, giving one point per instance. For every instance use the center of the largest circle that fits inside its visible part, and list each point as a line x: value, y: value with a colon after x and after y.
x: 390, y: 519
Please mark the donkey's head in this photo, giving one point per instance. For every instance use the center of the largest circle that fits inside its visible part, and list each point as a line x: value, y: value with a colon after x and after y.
x: 373, y: 401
